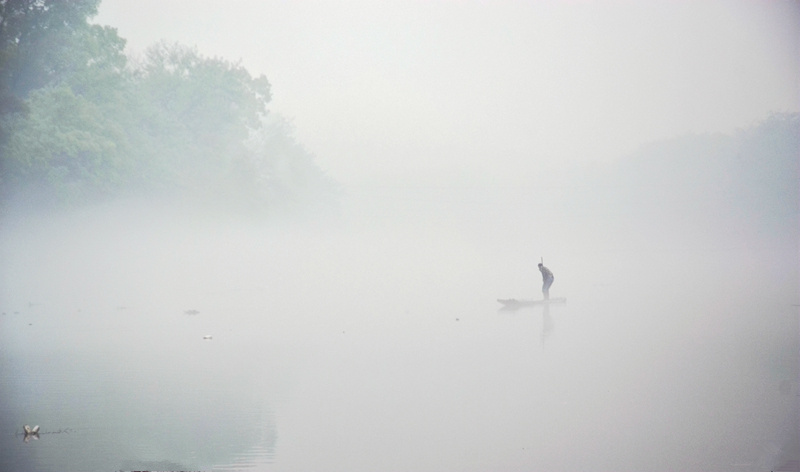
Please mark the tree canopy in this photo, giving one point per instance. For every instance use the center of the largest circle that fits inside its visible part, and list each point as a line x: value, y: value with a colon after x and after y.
x: 79, y: 121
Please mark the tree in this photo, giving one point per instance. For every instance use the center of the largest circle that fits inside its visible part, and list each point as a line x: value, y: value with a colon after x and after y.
x: 61, y: 82
x: 282, y: 172
x: 77, y: 122
x: 38, y: 40
x: 52, y: 59
x: 198, y: 111
x: 211, y: 98
x: 65, y: 149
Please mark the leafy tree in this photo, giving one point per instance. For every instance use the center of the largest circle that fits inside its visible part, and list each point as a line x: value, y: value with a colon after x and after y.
x: 60, y: 78
x: 39, y: 40
x: 77, y: 122
x: 283, y: 172
x: 196, y: 113
x: 207, y: 95
x: 65, y: 148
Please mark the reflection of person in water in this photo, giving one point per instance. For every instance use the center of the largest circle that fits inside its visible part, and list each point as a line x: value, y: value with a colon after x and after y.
x: 547, y: 278
x: 547, y: 322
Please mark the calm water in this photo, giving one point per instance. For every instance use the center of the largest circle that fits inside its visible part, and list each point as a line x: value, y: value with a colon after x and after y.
x: 382, y: 348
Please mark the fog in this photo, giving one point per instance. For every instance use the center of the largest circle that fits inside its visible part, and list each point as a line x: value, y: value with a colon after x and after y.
x: 378, y: 344
x: 505, y: 91
x: 618, y: 143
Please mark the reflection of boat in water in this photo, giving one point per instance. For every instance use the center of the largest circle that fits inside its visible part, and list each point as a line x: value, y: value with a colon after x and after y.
x: 514, y: 303
x: 31, y: 433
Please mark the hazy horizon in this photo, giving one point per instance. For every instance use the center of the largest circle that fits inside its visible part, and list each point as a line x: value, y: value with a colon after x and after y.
x: 496, y: 91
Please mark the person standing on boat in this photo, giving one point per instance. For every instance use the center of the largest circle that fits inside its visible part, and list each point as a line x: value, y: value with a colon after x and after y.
x: 547, y: 279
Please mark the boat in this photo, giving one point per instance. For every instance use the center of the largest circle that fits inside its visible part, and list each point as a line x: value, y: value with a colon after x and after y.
x: 514, y: 303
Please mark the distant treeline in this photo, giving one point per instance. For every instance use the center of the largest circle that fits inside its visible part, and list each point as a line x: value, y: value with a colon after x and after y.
x: 82, y: 122
x: 746, y: 182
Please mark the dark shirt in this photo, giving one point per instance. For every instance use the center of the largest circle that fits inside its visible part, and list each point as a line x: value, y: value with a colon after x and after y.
x: 546, y: 274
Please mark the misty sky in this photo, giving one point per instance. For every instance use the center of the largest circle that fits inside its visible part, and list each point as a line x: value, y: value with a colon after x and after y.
x: 504, y: 90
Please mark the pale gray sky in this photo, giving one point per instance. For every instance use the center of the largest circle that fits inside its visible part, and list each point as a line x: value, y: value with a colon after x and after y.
x: 500, y: 90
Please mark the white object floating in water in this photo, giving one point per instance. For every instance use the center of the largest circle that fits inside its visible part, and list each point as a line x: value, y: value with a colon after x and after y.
x: 31, y: 432
x: 207, y: 336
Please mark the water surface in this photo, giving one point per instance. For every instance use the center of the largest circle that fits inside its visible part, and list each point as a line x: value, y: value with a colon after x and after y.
x: 381, y: 347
